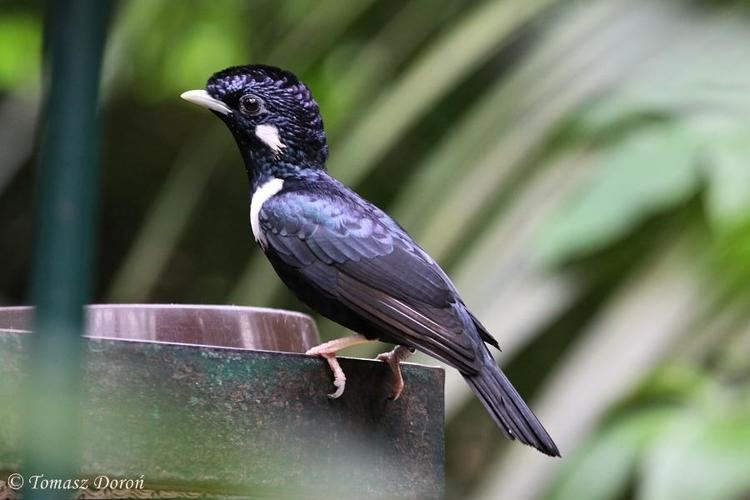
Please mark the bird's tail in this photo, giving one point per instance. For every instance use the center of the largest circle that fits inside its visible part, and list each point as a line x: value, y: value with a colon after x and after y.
x: 508, y: 409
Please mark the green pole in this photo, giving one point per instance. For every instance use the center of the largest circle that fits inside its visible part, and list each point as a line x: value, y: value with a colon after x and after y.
x: 63, y: 248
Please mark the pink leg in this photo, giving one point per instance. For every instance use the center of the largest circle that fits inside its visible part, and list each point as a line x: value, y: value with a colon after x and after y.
x: 394, y: 358
x: 328, y: 350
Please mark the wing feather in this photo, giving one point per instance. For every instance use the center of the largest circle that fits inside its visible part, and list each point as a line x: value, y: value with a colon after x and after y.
x: 358, y: 255
x: 432, y: 330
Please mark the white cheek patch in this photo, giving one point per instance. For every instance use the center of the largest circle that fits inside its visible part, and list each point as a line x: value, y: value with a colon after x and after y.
x: 260, y: 196
x: 269, y: 134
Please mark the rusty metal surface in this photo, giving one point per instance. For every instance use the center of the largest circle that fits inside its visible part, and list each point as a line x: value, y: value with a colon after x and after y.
x: 250, y: 424
x: 223, y: 326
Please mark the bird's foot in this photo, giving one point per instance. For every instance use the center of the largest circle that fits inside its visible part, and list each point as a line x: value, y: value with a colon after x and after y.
x: 394, y: 359
x: 327, y: 351
x: 339, y: 378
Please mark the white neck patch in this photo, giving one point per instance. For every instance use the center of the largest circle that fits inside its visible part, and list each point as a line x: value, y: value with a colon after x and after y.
x: 269, y: 134
x: 260, y: 196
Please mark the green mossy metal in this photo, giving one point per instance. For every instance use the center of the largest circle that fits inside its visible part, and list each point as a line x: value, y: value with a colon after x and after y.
x: 246, y: 423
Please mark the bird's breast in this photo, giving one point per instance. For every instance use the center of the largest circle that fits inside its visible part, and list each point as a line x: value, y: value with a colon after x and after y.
x: 260, y: 196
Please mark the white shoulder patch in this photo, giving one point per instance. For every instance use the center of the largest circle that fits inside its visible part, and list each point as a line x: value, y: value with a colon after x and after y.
x: 269, y: 134
x: 260, y: 196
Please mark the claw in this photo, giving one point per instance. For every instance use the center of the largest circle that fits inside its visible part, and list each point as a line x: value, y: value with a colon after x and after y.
x: 328, y: 351
x: 340, y: 385
x: 339, y: 378
x: 394, y: 358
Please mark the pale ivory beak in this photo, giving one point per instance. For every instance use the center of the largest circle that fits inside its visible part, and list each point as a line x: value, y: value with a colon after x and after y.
x: 201, y: 98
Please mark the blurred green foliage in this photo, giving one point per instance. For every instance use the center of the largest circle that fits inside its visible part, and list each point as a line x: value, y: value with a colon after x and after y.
x: 20, y: 51
x: 580, y: 168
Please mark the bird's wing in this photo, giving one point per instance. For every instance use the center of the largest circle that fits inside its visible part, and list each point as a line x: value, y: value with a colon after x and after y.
x: 349, y: 249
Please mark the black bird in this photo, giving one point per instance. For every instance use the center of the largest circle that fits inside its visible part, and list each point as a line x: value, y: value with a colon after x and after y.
x: 343, y: 256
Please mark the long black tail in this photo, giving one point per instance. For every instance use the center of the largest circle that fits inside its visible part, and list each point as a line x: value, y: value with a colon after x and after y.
x: 508, y: 409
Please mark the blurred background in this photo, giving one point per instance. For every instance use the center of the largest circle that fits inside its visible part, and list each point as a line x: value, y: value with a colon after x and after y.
x: 580, y: 168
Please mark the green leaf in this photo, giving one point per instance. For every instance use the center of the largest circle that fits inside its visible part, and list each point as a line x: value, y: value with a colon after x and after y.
x: 700, y: 458
x: 728, y: 173
x: 651, y: 170
x: 602, y: 469
x: 471, y: 40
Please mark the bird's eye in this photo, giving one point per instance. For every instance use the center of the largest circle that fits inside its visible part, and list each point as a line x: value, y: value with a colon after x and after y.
x: 251, y: 104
